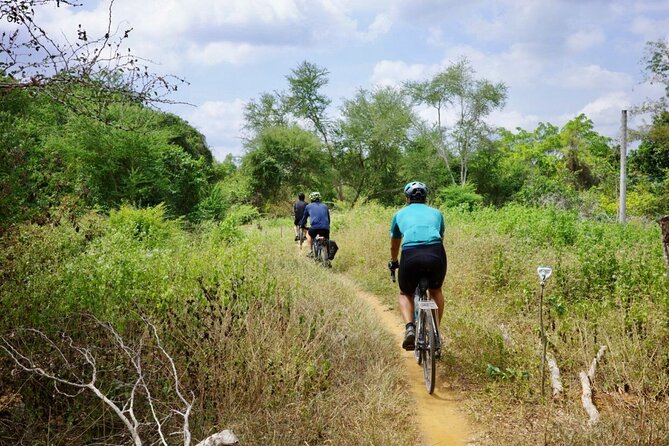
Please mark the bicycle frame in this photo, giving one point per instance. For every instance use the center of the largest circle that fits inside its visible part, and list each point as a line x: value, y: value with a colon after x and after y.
x: 428, y: 339
x: 320, y: 251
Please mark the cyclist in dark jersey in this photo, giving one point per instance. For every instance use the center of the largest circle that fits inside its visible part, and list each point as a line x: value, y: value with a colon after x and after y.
x: 298, y: 212
x: 320, y: 219
x: 419, y: 230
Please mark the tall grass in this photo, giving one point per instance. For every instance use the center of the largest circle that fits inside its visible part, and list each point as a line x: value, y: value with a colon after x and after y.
x: 609, y: 288
x: 271, y: 345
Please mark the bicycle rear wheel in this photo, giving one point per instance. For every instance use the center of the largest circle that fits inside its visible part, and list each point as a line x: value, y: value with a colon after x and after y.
x: 419, y: 320
x: 324, y: 257
x: 428, y: 351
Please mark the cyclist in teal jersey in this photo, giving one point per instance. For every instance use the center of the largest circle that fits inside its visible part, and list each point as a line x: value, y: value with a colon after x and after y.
x: 418, y: 230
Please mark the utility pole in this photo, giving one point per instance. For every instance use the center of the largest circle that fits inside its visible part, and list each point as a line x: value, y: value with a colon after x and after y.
x: 623, y: 167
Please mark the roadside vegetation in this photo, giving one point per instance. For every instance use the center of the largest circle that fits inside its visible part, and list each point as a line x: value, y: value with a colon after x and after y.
x: 609, y: 287
x: 130, y: 255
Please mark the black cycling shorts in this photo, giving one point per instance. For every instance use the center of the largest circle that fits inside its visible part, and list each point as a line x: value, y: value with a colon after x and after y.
x: 424, y: 261
x: 322, y: 232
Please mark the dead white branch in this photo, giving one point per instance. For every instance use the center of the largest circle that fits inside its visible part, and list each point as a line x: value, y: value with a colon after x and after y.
x: 224, y: 438
x: 586, y: 383
x: 556, y: 382
x: 593, y: 364
x: 586, y: 398
x: 125, y: 411
x: 28, y: 365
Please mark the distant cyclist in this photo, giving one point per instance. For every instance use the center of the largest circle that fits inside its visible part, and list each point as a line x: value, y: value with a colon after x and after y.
x: 419, y: 230
x: 320, y: 220
x: 298, y: 212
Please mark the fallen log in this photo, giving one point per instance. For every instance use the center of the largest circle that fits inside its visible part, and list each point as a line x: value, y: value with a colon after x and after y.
x: 586, y: 384
x: 593, y: 364
x: 556, y: 382
x: 223, y: 438
x: 586, y: 398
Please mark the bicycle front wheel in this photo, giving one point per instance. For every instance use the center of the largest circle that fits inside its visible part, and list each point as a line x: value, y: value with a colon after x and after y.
x: 428, y: 351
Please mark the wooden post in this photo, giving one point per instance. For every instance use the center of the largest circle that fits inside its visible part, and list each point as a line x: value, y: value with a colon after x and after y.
x: 664, y: 224
x: 623, y: 167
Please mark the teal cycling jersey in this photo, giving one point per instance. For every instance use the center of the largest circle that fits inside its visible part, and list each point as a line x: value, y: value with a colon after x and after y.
x: 417, y: 225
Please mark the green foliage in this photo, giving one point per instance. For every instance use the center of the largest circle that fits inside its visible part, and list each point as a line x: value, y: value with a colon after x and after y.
x: 122, y: 153
x: 281, y: 160
x: 464, y: 197
x: 233, y: 190
x: 147, y: 226
x: 374, y: 130
x: 508, y: 374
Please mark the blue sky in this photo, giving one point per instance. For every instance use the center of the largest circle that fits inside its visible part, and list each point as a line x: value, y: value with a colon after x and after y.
x: 559, y: 58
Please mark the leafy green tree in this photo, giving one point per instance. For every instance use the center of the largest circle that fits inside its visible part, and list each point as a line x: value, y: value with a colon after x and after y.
x: 374, y: 129
x: 587, y: 155
x: 652, y: 156
x: 59, y: 158
x: 438, y: 94
x: 306, y: 101
x: 270, y: 110
x: 470, y: 99
x: 282, y: 160
x: 497, y: 172
x: 421, y: 161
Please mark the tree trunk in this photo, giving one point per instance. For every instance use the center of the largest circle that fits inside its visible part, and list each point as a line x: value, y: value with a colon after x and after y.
x: 664, y: 224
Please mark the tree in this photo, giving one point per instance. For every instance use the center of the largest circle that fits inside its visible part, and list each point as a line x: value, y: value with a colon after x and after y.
x: 282, y: 160
x: 374, y: 130
x: 421, y: 160
x: 306, y: 101
x: 33, y: 59
x: 652, y: 156
x: 470, y: 99
x: 436, y: 93
x: 656, y: 61
x: 269, y: 111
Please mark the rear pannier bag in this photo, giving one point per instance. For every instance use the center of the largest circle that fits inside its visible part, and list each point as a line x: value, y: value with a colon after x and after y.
x: 332, y: 249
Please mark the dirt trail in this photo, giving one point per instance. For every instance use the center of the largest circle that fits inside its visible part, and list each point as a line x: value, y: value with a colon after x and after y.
x: 442, y: 424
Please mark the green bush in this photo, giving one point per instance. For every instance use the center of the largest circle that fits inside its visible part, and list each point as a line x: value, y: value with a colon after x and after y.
x: 464, y: 197
x: 148, y: 226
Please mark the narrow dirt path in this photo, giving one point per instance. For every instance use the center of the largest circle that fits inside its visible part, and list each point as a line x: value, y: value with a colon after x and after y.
x: 441, y: 423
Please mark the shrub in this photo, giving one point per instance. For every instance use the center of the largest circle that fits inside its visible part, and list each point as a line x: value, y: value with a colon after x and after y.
x: 148, y: 226
x: 459, y: 196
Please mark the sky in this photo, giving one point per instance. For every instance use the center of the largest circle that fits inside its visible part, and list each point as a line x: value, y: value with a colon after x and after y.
x: 558, y: 58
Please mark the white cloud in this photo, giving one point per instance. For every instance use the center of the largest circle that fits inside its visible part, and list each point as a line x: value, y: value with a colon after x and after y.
x: 394, y: 72
x: 220, y: 122
x: 511, y: 119
x: 381, y: 25
x: 585, y: 40
x: 604, y: 111
x: 216, y: 53
x: 650, y: 29
x: 592, y: 77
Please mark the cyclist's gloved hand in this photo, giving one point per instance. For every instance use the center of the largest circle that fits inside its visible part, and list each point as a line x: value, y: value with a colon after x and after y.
x: 393, y: 264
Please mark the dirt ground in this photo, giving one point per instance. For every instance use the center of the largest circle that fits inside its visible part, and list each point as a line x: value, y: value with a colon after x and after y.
x: 441, y: 422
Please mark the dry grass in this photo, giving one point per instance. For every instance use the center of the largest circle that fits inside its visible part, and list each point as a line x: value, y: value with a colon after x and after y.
x: 491, y: 318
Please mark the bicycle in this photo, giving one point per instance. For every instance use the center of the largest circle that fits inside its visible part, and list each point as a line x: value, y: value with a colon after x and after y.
x: 302, y: 236
x: 321, y: 254
x: 428, y: 341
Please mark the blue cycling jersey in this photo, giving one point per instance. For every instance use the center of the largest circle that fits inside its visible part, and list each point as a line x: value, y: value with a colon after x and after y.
x: 417, y: 225
x: 319, y: 214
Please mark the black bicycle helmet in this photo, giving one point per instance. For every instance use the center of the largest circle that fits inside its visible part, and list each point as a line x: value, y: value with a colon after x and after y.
x: 415, y: 191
